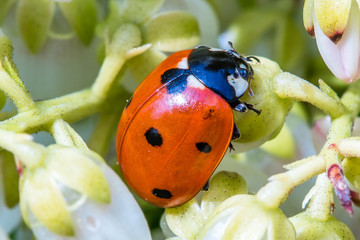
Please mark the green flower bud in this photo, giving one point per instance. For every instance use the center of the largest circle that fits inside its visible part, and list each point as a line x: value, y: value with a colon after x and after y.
x: 137, y: 11
x: 309, y: 228
x: 34, y: 19
x: 10, y: 178
x: 244, y: 217
x: 59, y: 178
x: 82, y: 16
x: 351, y: 167
x: 256, y: 129
x: 80, y: 170
x: 142, y: 65
x: 187, y: 220
x: 172, y: 31
x: 242, y: 34
x: 5, y: 5
x: 42, y: 202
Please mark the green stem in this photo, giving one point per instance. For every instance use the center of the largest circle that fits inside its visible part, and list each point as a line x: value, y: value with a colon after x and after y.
x: 109, y: 69
x: 290, y: 86
x: 341, y: 127
x: 70, y: 108
x: 321, y: 199
x: 125, y: 38
x: 17, y: 93
x: 34, y: 117
x: 277, y: 190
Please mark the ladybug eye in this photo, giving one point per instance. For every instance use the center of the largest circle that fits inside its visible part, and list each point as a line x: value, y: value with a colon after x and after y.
x: 244, y: 73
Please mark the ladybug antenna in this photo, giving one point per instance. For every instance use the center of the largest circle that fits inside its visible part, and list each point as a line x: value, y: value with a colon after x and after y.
x: 249, y: 59
x: 231, y: 45
x: 232, y: 49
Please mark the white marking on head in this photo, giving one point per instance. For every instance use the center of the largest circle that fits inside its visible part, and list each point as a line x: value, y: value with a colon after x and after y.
x: 183, y: 64
x: 216, y: 50
x: 239, y: 84
x: 194, y: 83
x: 243, y: 66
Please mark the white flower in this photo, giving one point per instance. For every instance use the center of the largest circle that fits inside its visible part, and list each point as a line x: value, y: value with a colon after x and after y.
x: 336, y: 26
x: 121, y: 219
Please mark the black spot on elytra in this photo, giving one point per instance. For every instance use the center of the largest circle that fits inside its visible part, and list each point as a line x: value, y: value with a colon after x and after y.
x: 175, y: 78
x: 162, y: 193
x: 128, y: 102
x: 153, y: 137
x: 203, y: 147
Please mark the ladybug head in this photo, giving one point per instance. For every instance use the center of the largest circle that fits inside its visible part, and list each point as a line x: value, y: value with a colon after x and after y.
x: 245, y: 71
x: 224, y: 71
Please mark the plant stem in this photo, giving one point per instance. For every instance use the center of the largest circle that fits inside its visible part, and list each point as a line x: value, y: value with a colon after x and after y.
x: 34, y: 117
x: 70, y: 108
x: 341, y: 127
x: 290, y: 86
x: 277, y: 190
x: 18, y: 94
x: 321, y: 199
x: 125, y: 38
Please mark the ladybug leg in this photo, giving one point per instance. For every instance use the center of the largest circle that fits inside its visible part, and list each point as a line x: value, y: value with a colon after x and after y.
x: 206, y: 186
x: 235, y: 135
x: 236, y: 132
x: 243, y: 107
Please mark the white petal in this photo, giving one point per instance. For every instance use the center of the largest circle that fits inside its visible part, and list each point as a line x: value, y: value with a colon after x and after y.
x: 329, y: 51
x: 94, y: 221
x: 350, y: 45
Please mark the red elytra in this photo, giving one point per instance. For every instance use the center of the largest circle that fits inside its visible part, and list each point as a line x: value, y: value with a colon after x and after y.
x: 169, y: 144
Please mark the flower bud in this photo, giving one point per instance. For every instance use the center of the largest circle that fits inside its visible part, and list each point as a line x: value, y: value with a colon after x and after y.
x: 10, y: 178
x: 309, y: 228
x: 34, y: 19
x: 256, y: 129
x: 172, y: 31
x: 81, y: 14
x: 351, y: 167
x: 67, y: 191
x: 63, y: 170
x: 335, y: 25
x: 188, y: 219
x: 122, y: 218
x: 243, y: 217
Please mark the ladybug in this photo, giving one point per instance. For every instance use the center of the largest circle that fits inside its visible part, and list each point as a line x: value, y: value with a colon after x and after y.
x: 177, y: 126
